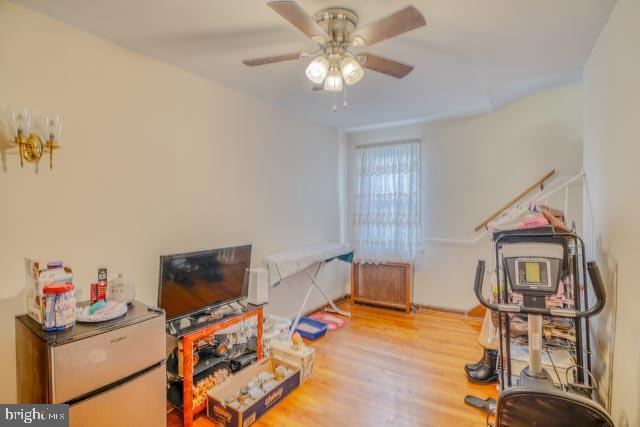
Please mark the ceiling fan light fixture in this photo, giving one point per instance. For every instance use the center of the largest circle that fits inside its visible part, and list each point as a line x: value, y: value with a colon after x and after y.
x: 317, y: 70
x: 333, y: 81
x: 336, y: 30
x: 351, y: 70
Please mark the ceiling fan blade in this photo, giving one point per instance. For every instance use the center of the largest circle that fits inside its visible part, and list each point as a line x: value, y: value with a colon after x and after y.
x: 400, y: 22
x: 384, y: 65
x: 271, y: 59
x: 293, y: 13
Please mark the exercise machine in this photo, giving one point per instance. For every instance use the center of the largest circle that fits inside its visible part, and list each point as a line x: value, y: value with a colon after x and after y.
x: 533, y: 264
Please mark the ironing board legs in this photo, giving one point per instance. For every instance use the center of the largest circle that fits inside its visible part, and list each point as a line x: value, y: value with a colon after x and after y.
x: 299, y: 315
x: 314, y: 283
x: 334, y: 309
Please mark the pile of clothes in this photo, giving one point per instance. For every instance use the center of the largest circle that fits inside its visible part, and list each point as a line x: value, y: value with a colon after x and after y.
x: 535, y: 216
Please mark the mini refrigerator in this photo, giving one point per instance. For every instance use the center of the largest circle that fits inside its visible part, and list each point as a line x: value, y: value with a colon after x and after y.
x: 110, y: 373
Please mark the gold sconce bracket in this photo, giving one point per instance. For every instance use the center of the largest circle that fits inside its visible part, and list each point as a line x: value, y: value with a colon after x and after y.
x: 32, y: 146
x: 33, y: 149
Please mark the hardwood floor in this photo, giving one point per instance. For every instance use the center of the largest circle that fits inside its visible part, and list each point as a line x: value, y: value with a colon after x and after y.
x: 386, y: 368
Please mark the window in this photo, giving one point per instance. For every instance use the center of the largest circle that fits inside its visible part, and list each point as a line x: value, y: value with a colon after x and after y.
x: 386, y: 203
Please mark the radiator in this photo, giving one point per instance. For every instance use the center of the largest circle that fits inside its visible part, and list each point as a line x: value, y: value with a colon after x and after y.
x: 387, y: 285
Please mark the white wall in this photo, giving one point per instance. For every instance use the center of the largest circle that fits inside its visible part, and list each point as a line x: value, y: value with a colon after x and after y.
x: 473, y: 166
x: 611, y: 153
x: 154, y: 160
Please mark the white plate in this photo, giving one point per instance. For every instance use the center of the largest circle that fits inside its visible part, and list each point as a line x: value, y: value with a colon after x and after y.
x: 119, y: 309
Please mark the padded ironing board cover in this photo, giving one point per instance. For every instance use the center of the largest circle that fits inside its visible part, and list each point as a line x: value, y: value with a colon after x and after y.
x: 286, y: 264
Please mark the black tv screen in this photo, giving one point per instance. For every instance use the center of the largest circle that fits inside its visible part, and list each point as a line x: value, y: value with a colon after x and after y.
x: 193, y: 281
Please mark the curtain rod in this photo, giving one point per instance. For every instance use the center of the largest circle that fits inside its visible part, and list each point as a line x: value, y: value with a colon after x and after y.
x: 385, y: 144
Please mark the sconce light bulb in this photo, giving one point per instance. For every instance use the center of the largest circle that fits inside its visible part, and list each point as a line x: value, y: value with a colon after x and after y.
x: 21, y: 123
x: 52, y: 131
x: 51, y: 126
x: 19, y: 120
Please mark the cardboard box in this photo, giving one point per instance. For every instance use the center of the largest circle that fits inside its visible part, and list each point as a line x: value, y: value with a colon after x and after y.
x: 34, y: 290
x: 301, y: 359
x: 226, y: 416
x: 37, y: 278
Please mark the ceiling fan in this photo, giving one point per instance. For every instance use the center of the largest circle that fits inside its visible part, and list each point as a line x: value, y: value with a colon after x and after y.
x: 336, y: 31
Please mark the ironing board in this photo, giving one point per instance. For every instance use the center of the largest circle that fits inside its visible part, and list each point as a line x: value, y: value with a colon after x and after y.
x: 286, y: 264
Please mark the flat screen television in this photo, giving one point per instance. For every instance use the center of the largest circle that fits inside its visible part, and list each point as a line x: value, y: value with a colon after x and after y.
x: 191, y: 282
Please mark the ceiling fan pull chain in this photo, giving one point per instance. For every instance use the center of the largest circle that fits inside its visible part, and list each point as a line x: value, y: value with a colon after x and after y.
x: 344, y: 103
x: 334, y: 108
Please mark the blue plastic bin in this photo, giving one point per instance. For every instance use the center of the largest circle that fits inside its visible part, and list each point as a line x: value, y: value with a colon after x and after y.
x: 315, y: 335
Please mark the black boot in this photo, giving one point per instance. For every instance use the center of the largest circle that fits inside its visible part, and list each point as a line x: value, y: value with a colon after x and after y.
x: 486, y: 372
x: 474, y: 366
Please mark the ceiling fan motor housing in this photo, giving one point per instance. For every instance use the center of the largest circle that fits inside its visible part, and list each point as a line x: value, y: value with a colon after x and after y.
x: 339, y: 23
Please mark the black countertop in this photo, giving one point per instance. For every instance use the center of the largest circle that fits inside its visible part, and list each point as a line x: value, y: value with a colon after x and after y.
x: 138, y: 312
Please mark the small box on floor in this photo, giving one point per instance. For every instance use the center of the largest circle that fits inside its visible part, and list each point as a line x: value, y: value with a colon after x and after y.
x: 300, y: 358
x: 311, y: 329
x: 245, y: 397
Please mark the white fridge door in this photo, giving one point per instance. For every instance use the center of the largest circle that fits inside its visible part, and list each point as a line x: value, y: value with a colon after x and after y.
x: 139, y: 402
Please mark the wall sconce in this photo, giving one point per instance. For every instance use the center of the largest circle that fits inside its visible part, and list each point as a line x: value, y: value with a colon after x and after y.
x: 32, y: 146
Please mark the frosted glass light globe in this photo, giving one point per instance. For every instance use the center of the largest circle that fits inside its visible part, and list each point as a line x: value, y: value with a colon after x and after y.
x: 317, y: 69
x: 333, y: 81
x: 351, y: 70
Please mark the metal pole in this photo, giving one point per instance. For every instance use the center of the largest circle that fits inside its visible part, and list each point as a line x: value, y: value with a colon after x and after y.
x: 503, y: 364
x: 535, y: 344
x: 585, y: 295
x: 577, y: 301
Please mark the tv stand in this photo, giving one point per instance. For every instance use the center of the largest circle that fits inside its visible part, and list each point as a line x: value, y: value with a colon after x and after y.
x: 208, y: 316
x: 196, y: 328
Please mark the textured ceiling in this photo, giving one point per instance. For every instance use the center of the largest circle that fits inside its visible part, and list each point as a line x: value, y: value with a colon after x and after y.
x: 473, y: 55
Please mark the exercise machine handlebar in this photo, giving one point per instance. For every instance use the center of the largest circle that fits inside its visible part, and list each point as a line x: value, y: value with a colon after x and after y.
x: 598, y: 288
x: 596, y: 281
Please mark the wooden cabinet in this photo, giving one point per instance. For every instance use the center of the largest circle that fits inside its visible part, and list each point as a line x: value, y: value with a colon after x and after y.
x: 387, y: 285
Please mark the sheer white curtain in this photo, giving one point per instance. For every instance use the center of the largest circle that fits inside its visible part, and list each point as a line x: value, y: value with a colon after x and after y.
x: 386, y: 203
